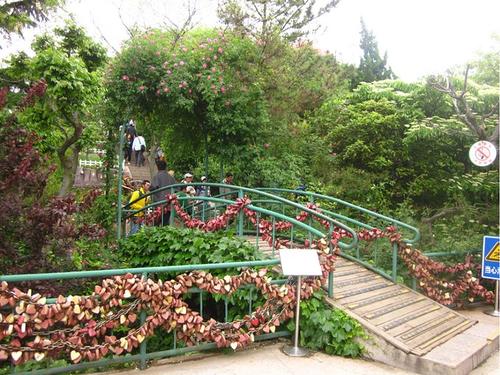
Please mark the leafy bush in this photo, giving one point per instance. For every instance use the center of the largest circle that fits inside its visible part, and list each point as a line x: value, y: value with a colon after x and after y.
x: 162, y: 246
x: 327, y: 329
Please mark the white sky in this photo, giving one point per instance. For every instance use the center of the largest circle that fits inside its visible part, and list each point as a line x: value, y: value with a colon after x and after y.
x: 420, y: 36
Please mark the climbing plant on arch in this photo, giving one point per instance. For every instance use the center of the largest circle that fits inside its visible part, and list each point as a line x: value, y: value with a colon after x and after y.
x: 198, y: 90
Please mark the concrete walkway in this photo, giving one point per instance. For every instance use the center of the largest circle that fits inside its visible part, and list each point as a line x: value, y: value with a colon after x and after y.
x: 269, y: 360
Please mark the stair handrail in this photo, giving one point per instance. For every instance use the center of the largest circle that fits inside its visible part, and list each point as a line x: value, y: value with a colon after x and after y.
x: 235, y: 189
x: 399, y: 223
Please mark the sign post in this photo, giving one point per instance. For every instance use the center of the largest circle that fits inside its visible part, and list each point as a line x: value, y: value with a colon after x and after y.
x: 298, y: 262
x: 491, y: 267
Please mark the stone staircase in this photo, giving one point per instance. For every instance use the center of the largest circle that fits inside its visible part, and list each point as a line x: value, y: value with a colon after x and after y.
x: 407, y: 329
x: 141, y: 173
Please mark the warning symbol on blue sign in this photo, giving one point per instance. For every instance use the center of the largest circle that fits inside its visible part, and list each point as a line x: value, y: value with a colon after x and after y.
x: 491, y: 258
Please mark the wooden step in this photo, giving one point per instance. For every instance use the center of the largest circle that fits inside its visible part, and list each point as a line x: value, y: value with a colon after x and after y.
x: 407, y: 319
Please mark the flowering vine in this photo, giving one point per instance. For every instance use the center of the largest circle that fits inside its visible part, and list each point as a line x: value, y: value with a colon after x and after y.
x: 444, y: 284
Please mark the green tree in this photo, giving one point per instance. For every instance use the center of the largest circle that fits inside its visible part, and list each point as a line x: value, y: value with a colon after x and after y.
x: 372, y: 67
x: 266, y: 19
x: 486, y: 68
x: 16, y: 15
x: 70, y: 63
x: 475, y: 104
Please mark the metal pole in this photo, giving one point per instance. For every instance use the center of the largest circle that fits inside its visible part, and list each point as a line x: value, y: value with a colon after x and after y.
x: 143, y: 346
x: 240, y: 216
x: 295, y: 350
x: 395, y: 262
x: 120, y: 182
x: 297, y: 313
x: 495, y: 312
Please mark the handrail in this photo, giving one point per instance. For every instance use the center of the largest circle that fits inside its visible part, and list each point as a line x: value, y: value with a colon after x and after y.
x: 235, y: 189
x: 358, y: 208
x: 139, y: 270
x: 251, y: 207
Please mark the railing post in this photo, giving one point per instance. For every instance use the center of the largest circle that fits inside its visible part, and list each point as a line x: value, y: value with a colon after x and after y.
x: 172, y: 210
x: 330, y: 274
x: 257, y: 230
x: 240, y: 216
x: 311, y: 200
x: 120, y: 182
x: 274, y: 233
x: 143, y: 347
x: 394, y: 262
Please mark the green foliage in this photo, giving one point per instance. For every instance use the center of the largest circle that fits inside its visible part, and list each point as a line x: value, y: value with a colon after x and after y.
x: 193, y: 92
x: 16, y: 15
x: 70, y: 63
x: 167, y: 246
x: 162, y: 246
x: 33, y: 366
x: 266, y: 20
x: 372, y: 67
x: 487, y: 67
x: 102, y: 211
x: 325, y: 328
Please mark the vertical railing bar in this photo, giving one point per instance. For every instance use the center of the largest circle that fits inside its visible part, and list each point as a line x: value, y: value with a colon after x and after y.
x: 330, y: 274
x: 257, y: 230
x: 172, y: 210
x: 394, y: 262
x: 201, y: 303
x: 274, y: 234
x: 311, y: 200
x: 250, y: 295
x: 143, y: 346
x: 175, y: 339
x: 225, y: 308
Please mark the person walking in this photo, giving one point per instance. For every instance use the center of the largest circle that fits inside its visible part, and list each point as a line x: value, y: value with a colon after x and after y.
x: 131, y: 131
x: 225, y: 192
x: 139, y: 146
x: 162, y: 179
x: 128, y: 148
x: 137, y: 204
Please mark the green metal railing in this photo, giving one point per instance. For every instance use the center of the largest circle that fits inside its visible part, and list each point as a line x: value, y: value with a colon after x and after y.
x: 240, y: 191
x: 143, y: 356
x: 307, y: 228
x: 315, y: 197
x: 371, y: 215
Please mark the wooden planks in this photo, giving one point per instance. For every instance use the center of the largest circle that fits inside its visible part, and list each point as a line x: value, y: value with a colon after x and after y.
x: 400, y: 315
x: 403, y: 317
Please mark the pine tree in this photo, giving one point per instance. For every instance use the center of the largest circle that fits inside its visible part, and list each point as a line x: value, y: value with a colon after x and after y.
x: 372, y: 67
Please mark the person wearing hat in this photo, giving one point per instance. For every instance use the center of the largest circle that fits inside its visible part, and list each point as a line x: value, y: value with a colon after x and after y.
x: 188, y: 179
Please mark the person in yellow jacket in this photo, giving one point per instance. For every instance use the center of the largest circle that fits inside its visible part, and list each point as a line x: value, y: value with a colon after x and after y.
x: 141, y: 203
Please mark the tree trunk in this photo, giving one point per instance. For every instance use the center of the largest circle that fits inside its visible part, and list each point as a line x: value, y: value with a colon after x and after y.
x: 69, y: 164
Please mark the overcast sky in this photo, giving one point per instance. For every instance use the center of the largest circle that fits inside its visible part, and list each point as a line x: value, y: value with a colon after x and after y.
x: 421, y: 37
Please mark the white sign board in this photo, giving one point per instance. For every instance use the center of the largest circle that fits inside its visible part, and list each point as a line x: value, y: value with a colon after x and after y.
x: 482, y: 153
x: 299, y: 262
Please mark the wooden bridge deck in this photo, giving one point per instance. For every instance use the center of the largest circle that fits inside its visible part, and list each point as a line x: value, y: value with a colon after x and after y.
x: 407, y: 319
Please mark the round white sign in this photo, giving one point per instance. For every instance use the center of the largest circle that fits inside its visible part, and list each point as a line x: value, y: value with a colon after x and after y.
x: 482, y: 153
